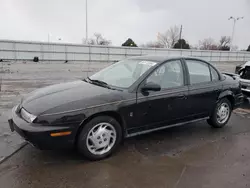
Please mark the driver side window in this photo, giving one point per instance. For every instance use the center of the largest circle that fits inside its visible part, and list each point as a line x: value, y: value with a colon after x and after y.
x: 168, y: 75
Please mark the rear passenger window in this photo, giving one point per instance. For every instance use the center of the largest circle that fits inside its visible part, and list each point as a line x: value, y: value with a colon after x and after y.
x: 198, y: 71
x: 214, y: 74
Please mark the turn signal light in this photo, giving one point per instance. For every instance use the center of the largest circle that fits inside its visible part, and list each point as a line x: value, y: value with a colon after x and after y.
x: 60, y: 134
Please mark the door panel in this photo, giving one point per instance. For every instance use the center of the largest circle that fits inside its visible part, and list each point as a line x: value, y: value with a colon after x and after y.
x: 204, y: 88
x: 163, y: 107
x: 202, y: 99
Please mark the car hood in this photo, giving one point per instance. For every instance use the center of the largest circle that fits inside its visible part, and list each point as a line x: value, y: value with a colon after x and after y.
x: 67, y: 96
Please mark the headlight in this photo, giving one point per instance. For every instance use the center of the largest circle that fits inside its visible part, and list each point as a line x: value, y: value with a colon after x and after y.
x: 27, y: 116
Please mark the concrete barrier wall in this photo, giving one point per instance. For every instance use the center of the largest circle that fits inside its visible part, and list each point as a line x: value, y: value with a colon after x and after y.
x: 24, y: 50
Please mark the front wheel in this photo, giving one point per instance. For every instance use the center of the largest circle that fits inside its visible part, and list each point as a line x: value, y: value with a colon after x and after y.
x: 221, y: 114
x: 99, y: 138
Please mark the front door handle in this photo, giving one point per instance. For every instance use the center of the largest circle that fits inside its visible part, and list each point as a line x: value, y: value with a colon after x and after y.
x: 181, y: 96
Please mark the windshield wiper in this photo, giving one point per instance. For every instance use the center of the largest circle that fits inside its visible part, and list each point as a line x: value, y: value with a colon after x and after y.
x: 101, y: 83
x: 98, y: 82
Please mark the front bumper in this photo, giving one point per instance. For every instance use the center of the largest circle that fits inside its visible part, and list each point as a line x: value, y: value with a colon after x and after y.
x: 39, y: 135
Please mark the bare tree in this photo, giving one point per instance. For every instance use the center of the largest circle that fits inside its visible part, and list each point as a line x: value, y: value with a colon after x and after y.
x: 91, y: 42
x: 225, y: 41
x: 170, y: 37
x: 97, y: 40
x: 208, y: 44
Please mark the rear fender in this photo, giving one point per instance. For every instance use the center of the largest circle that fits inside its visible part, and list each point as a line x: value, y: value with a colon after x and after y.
x: 228, y: 94
x: 225, y: 94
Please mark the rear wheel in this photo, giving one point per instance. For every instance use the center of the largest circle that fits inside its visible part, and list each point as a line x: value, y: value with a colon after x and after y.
x: 99, y: 138
x: 221, y: 114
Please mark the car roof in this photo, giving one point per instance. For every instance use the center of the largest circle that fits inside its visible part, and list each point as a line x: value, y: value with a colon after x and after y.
x: 160, y: 59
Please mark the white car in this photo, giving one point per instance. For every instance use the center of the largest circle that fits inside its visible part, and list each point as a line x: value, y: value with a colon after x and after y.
x: 244, y: 72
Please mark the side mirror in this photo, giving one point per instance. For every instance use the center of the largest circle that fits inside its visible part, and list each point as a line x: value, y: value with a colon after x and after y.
x: 151, y: 87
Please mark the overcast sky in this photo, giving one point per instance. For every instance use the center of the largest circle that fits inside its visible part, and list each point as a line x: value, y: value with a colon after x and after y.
x: 117, y: 20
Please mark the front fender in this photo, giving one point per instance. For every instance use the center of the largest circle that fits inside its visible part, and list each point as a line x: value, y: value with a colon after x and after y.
x: 62, y: 118
x: 101, y: 108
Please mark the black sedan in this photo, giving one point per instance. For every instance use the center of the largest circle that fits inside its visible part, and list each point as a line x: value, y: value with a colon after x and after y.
x: 131, y: 97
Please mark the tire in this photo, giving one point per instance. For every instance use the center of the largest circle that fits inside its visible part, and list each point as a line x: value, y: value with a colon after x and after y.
x: 108, y: 136
x: 214, y: 118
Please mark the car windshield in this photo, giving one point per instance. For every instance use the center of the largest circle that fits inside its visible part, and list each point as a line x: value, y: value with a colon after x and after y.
x: 124, y: 73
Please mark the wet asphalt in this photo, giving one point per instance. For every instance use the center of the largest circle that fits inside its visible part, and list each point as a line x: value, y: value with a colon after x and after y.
x: 190, y: 156
x: 193, y: 155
